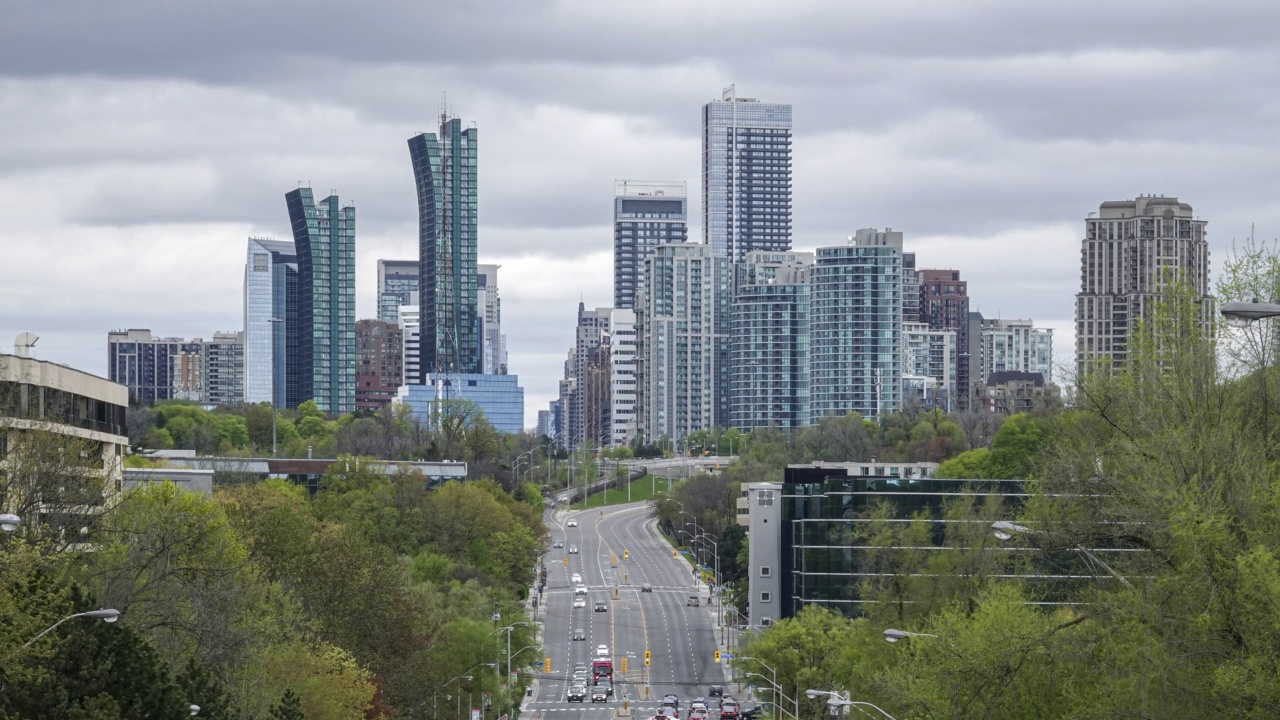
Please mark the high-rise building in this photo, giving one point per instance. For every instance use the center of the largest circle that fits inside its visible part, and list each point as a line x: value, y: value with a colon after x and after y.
x: 546, y: 428
x: 188, y: 376
x: 929, y: 360
x: 746, y: 175
x: 444, y: 169
x: 682, y: 325
x: 944, y: 305
x: 409, y: 333
x: 1013, y: 346
x: 148, y: 366
x: 855, y: 354
x: 1133, y: 252
x: 325, y: 237
x: 911, y: 294
x: 223, y: 368
x: 493, y: 344
x: 379, y: 363
x: 397, y: 280
x: 645, y: 215
x: 272, y: 331
x: 770, y: 341
x: 582, y: 423
x: 622, y: 358
x: 597, y: 404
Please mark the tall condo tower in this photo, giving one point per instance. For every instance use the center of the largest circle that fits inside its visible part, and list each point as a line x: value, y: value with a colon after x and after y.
x: 1132, y: 252
x: 770, y: 341
x: 444, y: 169
x: 645, y: 215
x: 397, y: 281
x: 856, y: 326
x: 271, y: 328
x: 324, y: 234
x: 746, y: 175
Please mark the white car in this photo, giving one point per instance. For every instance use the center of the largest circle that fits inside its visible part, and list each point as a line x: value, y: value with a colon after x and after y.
x: 580, y: 590
x: 571, y: 523
x: 602, y: 651
x: 576, y: 579
x: 579, y: 602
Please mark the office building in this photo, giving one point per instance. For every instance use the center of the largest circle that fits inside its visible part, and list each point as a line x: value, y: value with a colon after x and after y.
x: 409, y: 334
x: 37, y: 398
x: 324, y: 234
x: 746, y: 175
x: 493, y: 344
x: 272, y: 331
x: 856, y: 327
x: 622, y: 359
x: 499, y: 397
x: 682, y: 325
x: 929, y: 360
x: 1011, y: 346
x: 397, y: 281
x: 770, y: 341
x: 379, y: 363
x: 645, y: 215
x: 546, y: 426
x: 444, y: 170
x: 222, y: 369
x: 944, y: 305
x: 151, y: 368
x: 597, y: 373
x: 1132, y: 253
x: 583, y: 424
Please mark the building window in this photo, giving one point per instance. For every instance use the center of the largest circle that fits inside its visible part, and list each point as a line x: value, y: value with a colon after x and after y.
x: 766, y: 622
x: 766, y: 597
x: 764, y: 498
x: 766, y: 571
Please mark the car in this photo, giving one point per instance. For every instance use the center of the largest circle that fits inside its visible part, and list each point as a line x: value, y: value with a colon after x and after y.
x: 558, y: 544
x: 579, y: 602
x: 671, y: 701
x: 601, y: 607
x: 697, y: 715
x: 577, y: 693
x: 580, y: 590
x: 667, y: 713
x: 599, y: 694
x: 693, y: 601
x: 646, y: 588
x: 571, y: 523
x: 581, y: 679
x: 729, y: 710
x: 698, y: 704
x: 573, y: 549
x: 576, y: 579
x: 608, y: 687
x: 716, y: 691
x: 579, y: 634
x: 727, y: 700
x: 751, y: 713
x: 602, y: 651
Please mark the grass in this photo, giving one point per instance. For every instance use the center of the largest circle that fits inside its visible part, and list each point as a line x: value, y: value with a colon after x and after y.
x: 641, y: 489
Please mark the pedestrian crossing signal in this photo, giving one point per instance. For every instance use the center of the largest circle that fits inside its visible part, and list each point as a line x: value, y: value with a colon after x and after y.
x: 717, y: 656
x: 546, y: 664
x: 646, y: 657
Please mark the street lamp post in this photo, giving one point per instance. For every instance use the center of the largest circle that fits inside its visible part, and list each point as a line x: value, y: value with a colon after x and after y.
x: 893, y: 635
x: 275, y: 354
x: 715, y: 573
x: 9, y: 522
x: 1005, y: 530
x: 106, y: 615
x: 835, y: 699
x: 1241, y: 314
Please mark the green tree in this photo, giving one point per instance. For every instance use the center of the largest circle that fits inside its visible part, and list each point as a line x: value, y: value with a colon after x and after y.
x: 233, y: 431
x: 290, y: 708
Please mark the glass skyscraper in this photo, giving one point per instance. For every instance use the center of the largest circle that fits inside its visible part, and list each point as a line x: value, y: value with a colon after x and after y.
x: 444, y: 170
x: 325, y: 237
x: 397, y: 281
x: 770, y: 340
x: 271, y: 329
x: 645, y: 215
x: 746, y: 175
x: 856, y: 327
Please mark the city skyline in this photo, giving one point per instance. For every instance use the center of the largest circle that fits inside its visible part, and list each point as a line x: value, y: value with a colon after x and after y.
x: 986, y: 157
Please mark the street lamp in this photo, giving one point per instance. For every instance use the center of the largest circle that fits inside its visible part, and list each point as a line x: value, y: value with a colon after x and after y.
x: 778, y: 694
x: 835, y: 699
x: 1242, y: 314
x: 1004, y: 530
x: 891, y: 635
x: 508, y: 629
x: 275, y: 355
x: 9, y: 522
x: 107, y: 615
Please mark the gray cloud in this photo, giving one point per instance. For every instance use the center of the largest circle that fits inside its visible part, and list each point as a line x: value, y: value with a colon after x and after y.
x: 140, y: 143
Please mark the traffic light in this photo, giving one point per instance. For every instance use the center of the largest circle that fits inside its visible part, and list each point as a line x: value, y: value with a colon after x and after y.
x: 717, y: 656
x: 646, y: 657
x: 626, y: 554
x: 673, y: 554
x: 546, y: 665
x: 624, y: 663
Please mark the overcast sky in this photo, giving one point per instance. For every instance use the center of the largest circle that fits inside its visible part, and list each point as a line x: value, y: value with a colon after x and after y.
x: 141, y: 143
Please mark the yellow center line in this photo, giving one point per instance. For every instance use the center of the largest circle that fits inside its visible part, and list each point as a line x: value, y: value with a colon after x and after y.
x: 613, y: 647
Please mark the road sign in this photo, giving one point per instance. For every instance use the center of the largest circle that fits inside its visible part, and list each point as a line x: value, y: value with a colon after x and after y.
x: 546, y: 664
x: 717, y: 656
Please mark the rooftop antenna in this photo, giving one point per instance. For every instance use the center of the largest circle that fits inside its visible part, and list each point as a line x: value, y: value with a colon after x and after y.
x: 23, y: 343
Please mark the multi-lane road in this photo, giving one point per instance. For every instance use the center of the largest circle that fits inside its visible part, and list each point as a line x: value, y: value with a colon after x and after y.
x: 681, y: 640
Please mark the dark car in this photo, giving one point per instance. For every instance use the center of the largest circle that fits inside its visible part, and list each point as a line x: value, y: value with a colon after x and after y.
x: 646, y: 588
x: 670, y: 700
x: 599, y: 694
x: 751, y: 712
x: 729, y: 711
x: 716, y: 691
x: 577, y: 693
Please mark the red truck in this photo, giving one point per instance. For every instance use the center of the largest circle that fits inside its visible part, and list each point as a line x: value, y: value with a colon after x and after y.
x: 602, y: 669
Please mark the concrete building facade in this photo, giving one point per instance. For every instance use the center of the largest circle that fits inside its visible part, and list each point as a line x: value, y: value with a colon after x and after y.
x: 223, y: 369
x: 645, y: 215
x: 379, y: 363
